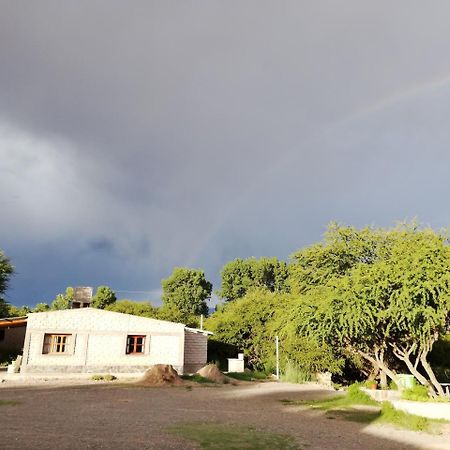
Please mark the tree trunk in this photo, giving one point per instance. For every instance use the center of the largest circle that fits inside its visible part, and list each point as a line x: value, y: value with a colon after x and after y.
x: 404, y: 355
x: 429, y: 370
x: 380, y: 364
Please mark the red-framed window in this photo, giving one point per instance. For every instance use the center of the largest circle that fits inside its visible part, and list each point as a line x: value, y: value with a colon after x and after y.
x: 135, y: 344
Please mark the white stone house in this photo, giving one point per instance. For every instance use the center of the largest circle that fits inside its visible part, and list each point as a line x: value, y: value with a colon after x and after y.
x: 90, y: 340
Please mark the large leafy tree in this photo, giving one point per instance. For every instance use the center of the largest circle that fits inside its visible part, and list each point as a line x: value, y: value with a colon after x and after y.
x: 6, y: 270
x: 104, y: 297
x: 252, y: 323
x: 390, y: 307
x: 186, y: 290
x: 241, y: 275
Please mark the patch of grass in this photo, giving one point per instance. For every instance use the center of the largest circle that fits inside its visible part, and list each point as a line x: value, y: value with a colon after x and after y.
x: 294, y: 374
x: 346, y: 407
x: 8, y: 402
x: 247, y: 376
x: 103, y: 377
x: 196, y: 378
x: 418, y: 393
x: 353, y: 396
x: 211, y: 436
x: 402, y: 419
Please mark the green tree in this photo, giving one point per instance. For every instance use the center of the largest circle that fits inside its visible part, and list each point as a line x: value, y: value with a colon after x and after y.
x: 41, y: 307
x: 6, y: 270
x: 186, y: 290
x: 62, y: 301
x: 394, y: 304
x: 103, y: 297
x: 18, y: 311
x: 144, y: 309
x: 252, y: 323
x: 241, y: 275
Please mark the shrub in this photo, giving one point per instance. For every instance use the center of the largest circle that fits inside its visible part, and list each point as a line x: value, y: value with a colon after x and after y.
x: 294, y: 374
x: 108, y: 377
x: 418, y: 393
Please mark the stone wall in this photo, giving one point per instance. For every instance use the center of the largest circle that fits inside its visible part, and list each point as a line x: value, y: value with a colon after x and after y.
x: 97, y: 342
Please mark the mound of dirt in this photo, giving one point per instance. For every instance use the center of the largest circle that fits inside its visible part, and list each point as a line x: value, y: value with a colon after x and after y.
x: 212, y: 372
x: 160, y: 375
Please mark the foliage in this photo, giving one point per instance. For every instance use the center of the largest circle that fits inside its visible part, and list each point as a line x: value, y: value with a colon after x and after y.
x: 6, y: 271
x: 173, y: 314
x: 213, y: 436
x: 186, y: 290
x: 292, y: 373
x: 103, y: 297
x: 244, y: 324
x: 252, y: 323
x: 391, y: 302
x: 241, y: 275
x: 62, y: 301
x: 440, y: 355
x: 417, y: 393
x: 107, y: 377
x: 197, y: 378
x: 41, y: 307
x: 248, y: 376
x: 402, y: 419
x: 18, y: 311
x: 144, y: 309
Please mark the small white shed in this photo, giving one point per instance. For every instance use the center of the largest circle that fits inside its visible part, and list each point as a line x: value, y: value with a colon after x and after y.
x: 90, y: 340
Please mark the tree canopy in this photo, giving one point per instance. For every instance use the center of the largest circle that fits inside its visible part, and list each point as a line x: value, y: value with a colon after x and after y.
x: 241, y: 275
x: 187, y: 290
x: 103, y: 297
x: 6, y: 271
x: 393, y: 302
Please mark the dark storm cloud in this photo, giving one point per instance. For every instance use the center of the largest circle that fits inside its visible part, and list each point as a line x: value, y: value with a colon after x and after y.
x: 170, y: 133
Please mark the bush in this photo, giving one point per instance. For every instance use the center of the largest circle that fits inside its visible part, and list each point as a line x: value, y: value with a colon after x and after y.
x: 103, y: 377
x: 294, y: 374
x: 418, y: 393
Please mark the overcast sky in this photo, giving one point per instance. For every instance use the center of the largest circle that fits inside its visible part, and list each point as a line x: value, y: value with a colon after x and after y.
x: 139, y: 136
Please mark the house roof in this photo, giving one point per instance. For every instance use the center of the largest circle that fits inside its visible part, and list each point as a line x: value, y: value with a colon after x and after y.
x: 11, y: 322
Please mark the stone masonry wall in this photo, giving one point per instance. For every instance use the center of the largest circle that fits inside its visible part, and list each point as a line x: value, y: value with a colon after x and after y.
x: 98, y: 342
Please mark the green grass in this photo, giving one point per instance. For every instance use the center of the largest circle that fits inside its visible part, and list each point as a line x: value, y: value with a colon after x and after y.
x: 8, y: 402
x: 211, y: 436
x: 196, y: 378
x: 293, y: 374
x: 353, y: 396
x: 418, y: 393
x: 247, y: 376
x: 351, y: 407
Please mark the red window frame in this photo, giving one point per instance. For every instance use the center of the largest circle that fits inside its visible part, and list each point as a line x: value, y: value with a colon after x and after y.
x: 135, y: 344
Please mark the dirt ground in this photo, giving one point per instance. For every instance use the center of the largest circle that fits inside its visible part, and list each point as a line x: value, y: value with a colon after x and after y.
x: 113, y: 416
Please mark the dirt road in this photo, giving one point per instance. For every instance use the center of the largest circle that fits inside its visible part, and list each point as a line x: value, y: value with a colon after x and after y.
x: 119, y: 417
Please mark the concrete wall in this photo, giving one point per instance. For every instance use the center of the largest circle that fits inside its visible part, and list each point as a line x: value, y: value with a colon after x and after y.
x: 195, y: 351
x: 13, y: 340
x: 98, y: 342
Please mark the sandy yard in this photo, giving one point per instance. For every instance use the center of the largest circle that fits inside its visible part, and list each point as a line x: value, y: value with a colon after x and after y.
x: 113, y: 416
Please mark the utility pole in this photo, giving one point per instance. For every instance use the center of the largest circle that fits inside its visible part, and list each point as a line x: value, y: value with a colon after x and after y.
x: 201, y: 322
x: 278, y: 357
